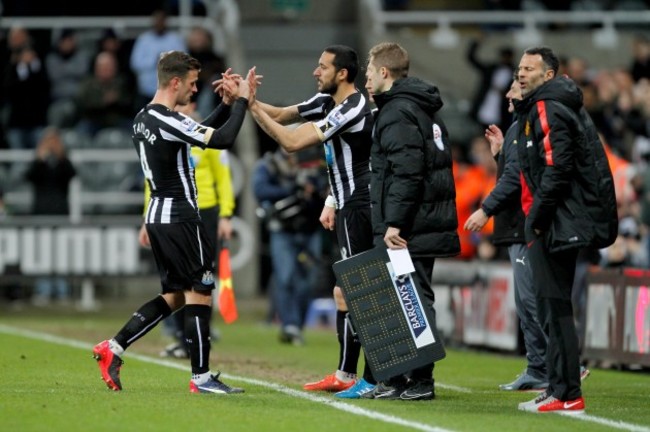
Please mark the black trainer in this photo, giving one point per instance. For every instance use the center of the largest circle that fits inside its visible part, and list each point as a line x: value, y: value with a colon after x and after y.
x: 391, y: 389
x: 419, y: 390
x: 214, y: 385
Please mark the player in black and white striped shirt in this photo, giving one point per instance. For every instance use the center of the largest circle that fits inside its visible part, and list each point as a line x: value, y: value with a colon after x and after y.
x: 181, y: 247
x: 340, y: 118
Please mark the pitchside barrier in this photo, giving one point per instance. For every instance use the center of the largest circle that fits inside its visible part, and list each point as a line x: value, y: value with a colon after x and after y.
x: 475, y: 307
x: 617, y: 328
x: 99, y: 248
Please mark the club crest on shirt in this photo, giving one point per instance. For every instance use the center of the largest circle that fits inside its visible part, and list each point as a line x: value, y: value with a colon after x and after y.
x: 208, y: 278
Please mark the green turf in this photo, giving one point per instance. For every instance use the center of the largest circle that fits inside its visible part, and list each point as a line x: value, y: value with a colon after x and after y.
x: 46, y: 386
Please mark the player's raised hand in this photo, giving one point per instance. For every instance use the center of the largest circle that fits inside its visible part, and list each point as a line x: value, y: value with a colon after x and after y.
x: 495, y: 137
x: 253, y: 82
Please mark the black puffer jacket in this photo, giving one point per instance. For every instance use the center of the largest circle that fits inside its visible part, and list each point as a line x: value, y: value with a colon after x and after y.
x: 412, y: 184
x: 566, y: 171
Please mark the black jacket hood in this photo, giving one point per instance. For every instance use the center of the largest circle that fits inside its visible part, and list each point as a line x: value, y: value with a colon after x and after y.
x: 420, y: 92
x: 562, y: 89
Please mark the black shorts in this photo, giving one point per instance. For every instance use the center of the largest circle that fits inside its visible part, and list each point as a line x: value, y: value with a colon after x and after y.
x: 353, y: 230
x: 184, y: 256
x: 210, y: 219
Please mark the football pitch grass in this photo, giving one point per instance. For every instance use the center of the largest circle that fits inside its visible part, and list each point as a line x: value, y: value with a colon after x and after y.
x: 50, y: 382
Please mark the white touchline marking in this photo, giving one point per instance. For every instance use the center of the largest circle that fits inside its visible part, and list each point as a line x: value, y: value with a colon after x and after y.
x: 352, y: 409
x: 454, y: 388
x: 616, y: 424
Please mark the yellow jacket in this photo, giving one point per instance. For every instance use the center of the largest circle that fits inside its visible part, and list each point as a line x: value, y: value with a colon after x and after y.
x: 213, y: 181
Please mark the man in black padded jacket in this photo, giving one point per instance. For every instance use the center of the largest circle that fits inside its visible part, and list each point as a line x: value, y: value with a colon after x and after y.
x: 412, y: 187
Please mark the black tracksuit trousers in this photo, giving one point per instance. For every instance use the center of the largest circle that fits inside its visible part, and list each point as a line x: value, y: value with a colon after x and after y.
x: 553, y: 275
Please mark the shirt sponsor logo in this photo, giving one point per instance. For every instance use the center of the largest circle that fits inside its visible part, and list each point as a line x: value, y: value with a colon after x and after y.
x: 336, y: 119
x: 329, y: 153
x: 188, y: 124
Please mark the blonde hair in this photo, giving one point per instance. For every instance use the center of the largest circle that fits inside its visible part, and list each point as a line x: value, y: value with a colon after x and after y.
x: 391, y: 56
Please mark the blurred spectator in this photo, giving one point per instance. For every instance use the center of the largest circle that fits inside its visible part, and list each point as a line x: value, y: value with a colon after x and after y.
x: 490, y: 105
x: 111, y: 42
x: 628, y: 250
x: 26, y: 91
x: 595, y: 108
x: 67, y: 66
x: 290, y: 202
x: 200, y: 46
x: 474, y: 179
x: 104, y: 99
x: 638, y: 123
x: 623, y: 173
x: 616, y: 99
x: 50, y: 174
x: 481, y: 156
x: 146, y: 52
x: 577, y: 69
x: 640, y: 67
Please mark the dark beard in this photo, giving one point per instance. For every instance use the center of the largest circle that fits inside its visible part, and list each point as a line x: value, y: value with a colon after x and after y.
x: 329, y: 88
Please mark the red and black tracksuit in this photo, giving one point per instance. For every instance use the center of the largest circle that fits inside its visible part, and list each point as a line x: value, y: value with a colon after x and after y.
x: 569, y: 202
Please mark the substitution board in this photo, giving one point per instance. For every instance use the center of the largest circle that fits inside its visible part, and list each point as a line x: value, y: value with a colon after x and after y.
x: 395, y: 327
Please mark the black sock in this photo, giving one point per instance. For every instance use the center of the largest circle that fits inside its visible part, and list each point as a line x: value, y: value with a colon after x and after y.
x: 142, y: 321
x: 179, y: 326
x: 367, y: 373
x: 349, y: 346
x: 197, y: 334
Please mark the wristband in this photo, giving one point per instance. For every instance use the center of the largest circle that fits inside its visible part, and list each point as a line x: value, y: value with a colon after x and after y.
x: 330, y: 202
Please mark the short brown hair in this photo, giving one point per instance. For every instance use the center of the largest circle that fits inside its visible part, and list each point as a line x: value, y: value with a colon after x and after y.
x: 175, y: 64
x: 391, y: 56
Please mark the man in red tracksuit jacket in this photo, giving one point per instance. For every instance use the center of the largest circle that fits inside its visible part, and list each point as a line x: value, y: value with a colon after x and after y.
x: 569, y: 201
